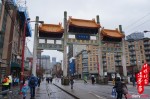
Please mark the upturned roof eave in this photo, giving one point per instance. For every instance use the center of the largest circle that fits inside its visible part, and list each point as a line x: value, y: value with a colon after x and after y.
x: 51, y: 32
x: 96, y: 27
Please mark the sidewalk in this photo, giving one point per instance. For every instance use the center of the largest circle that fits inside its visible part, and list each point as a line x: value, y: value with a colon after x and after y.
x: 40, y: 92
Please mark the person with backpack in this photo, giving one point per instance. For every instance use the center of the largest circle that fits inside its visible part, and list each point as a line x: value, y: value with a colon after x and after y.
x: 119, y: 87
x: 33, y: 81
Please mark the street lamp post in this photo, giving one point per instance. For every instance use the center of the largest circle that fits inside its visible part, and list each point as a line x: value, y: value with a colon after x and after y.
x: 146, y: 31
x: 23, y: 49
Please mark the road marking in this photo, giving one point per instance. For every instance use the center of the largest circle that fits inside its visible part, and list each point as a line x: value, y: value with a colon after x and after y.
x: 99, y: 97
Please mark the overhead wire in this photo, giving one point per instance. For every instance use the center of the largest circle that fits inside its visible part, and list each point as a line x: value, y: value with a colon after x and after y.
x: 137, y: 21
x: 140, y: 24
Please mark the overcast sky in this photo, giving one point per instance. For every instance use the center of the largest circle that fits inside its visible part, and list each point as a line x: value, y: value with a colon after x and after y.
x: 133, y: 15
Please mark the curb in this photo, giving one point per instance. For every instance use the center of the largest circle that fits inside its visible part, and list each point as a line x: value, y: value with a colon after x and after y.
x: 67, y: 92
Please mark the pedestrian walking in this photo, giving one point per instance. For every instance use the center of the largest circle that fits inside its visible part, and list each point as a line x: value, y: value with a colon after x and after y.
x: 39, y: 81
x: 85, y: 79
x: 10, y: 82
x: 71, y: 82
x: 24, y: 90
x: 17, y: 81
x: 14, y: 81
x: 133, y: 81
x: 47, y: 79
x: 51, y: 79
x: 33, y: 81
x: 5, y: 84
x: 125, y: 89
x: 118, y: 86
x: 93, y: 79
x: 24, y: 80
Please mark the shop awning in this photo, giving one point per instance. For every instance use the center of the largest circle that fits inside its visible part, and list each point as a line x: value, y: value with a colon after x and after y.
x: 14, y: 64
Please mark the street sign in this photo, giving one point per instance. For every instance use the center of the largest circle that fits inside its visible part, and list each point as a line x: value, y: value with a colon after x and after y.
x: 50, y: 44
x: 82, y: 42
x: 82, y: 36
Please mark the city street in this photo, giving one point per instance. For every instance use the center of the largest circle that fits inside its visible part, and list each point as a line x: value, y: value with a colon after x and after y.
x: 84, y: 91
x: 45, y: 91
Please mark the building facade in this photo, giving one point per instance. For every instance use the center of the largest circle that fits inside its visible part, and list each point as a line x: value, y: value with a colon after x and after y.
x: 137, y: 53
x: 45, y: 62
x: 11, y: 36
x: 112, y: 53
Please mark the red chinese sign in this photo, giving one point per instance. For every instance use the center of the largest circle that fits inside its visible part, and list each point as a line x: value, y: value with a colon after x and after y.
x: 142, y: 78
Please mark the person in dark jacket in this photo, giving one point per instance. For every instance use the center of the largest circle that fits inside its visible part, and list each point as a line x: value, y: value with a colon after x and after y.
x: 33, y: 81
x: 71, y: 82
x: 125, y: 89
x: 118, y: 86
x: 93, y: 79
x: 39, y: 81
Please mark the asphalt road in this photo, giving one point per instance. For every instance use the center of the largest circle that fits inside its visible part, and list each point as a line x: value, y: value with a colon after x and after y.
x: 104, y: 91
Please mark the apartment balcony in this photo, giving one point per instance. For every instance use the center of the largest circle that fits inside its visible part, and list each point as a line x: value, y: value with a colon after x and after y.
x: 84, y: 62
x: 85, y: 71
x: 131, y: 49
x: 118, y: 60
x: 104, y: 64
x: 147, y: 58
x: 131, y: 45
x: 118, y: 64
x: 147, y: 48
x: 85, y: 56
x: 147, y: 53
x: 133, y: 64
x: 117, y: 55
x: 85, y: 65
x: 105, y: 69
x: 146, y: 43
x: 133, y: 59
x: 132, y: 53
x: 93, y: 71
x: 103, y: 55
x: 104, y: 60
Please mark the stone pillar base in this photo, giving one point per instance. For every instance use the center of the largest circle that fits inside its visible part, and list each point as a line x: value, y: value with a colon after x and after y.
x: 102, y: 80
x: 65, y: 81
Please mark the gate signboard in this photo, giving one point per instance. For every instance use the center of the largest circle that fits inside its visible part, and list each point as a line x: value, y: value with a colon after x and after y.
x: 50, y: 44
